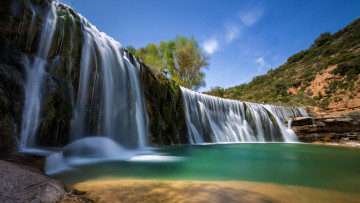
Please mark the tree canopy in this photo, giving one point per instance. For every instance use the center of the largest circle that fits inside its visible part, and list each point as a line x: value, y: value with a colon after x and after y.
x: 181, y: 59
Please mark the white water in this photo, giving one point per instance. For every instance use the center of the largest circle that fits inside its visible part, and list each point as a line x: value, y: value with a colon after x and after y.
x: 95, y: 149
x: 215, y: 120
x: 110, y: 99
x: 35, y: 73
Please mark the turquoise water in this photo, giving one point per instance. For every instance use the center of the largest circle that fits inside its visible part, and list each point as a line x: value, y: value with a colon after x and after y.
x: 326, y: 167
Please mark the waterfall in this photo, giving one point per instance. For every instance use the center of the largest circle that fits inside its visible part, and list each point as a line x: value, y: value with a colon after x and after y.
x: 102, y: 82
x: 110, y: 99
x: 216, y: 120
x: 35, y: 73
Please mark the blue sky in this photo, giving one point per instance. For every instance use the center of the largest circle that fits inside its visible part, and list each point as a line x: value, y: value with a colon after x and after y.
x: 244, y: 37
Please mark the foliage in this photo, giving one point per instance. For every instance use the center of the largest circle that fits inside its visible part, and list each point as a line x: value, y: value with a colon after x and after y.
x: 188, y: 60
x: 324, y: 37
x: 289, y: 84
x: 217, y: 91
x: 153, y: 55
x: 131, y: 50
x: 181, y: 58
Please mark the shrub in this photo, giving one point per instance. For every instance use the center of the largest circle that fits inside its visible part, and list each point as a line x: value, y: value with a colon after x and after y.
x: 322, y: 39
x: 296, y: 57
x: 324, y: 103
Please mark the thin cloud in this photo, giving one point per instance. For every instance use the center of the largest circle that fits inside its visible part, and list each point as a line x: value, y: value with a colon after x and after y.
x: 232, y: 32
x: 250, y: 17
x: 210, y: 46
x: 262, y: 64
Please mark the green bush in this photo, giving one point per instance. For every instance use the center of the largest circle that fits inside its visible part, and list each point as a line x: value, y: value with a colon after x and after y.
x: 351, y: 69
x: 322, y: 39
x: 324, y: 103
x: 296, y: 57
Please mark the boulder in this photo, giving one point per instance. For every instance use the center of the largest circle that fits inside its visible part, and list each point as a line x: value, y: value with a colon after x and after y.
x: 27, y: 184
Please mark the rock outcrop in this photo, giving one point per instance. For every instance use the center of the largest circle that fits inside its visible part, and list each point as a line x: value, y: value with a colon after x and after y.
x: 28, y: 184
x: 335, y: 127
x: 165, y: 109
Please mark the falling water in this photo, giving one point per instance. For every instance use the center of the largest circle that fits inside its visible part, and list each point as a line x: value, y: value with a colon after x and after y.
x: 217, y: 120
x: 35, y: 73
x: 110, y: 99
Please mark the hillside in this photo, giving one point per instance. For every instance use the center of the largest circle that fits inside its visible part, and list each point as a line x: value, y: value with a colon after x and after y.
x: 325, y: 76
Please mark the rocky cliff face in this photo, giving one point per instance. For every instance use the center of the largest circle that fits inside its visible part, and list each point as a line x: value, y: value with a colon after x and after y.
x: 165, y: 109
x: 335, y: 127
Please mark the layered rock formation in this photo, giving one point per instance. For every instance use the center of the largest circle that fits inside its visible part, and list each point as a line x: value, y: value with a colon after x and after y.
x: 334, y: 127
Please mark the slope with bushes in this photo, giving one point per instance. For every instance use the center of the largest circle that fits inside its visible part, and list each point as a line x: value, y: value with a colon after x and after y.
x: 325, y: 76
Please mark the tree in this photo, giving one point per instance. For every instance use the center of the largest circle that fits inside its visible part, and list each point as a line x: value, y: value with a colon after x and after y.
x: 131, y: 50
x: 182, y: 58
x: 152, y: 55
x: 185, y: 62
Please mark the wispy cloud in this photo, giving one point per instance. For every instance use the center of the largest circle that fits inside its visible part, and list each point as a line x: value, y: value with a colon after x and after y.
x: 262, y: 64
x: 232, y: 32
x: 211, y: 45
x: 251, y: 16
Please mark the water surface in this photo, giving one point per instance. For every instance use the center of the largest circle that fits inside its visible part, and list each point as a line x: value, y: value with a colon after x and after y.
x: 325, y: 167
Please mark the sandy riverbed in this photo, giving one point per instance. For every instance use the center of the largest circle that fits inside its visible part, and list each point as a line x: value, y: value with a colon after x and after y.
x: 133, y: 190
x: 340, y: 144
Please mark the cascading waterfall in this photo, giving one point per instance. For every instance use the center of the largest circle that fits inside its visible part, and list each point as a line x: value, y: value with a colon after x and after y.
x: 110, y: 99
x: 217, y: 120
x: 35, y: 73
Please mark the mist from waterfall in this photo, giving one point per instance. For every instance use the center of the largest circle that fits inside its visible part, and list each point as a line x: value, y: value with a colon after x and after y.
x: 216, y: 120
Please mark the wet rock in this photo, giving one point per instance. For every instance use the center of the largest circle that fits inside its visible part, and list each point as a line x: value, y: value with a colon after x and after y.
x: 164, y: 104
x: 7, y: 144
x: 25, y: 159
x: 299, y: 121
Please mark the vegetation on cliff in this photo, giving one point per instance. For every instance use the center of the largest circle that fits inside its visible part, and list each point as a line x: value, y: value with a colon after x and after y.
x: 181, y: 58
x: 326, y: 75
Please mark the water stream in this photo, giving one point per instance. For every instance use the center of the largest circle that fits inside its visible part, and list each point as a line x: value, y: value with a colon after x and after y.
x: 35, y: 73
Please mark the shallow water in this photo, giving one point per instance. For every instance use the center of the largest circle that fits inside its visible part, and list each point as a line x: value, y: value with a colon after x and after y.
x: 325, y: 167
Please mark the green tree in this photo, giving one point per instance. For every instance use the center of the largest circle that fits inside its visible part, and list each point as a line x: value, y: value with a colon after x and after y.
x: 153, y: 56
x: 185, y: 62
x: 131, y: 50
x: 182, y: 58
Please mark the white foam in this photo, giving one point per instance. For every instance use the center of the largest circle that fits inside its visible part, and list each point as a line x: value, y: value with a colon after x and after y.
x: 155, y: 158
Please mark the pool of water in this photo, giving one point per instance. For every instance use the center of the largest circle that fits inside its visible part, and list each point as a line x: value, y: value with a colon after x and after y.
x: 326, y: 167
